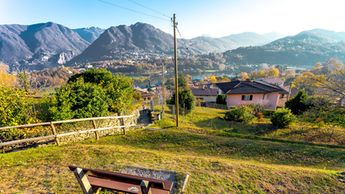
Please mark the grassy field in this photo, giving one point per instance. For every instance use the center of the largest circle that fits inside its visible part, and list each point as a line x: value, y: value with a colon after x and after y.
x: 208, y: 120
x: 217, y: 162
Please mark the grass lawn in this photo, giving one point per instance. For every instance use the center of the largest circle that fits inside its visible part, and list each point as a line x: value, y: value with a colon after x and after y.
x: 208, y: 120
x: 217, y: 163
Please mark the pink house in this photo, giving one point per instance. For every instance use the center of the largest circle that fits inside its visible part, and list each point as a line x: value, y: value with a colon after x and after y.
x: 253, y: 92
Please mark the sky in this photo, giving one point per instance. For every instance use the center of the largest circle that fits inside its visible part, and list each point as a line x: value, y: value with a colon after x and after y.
x: 215, y: 18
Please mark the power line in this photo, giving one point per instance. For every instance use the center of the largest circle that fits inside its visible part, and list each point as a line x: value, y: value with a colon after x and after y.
x: 187, y: 47
x: 178, y: 31
x: 132, y: 10
x: 151, y: 9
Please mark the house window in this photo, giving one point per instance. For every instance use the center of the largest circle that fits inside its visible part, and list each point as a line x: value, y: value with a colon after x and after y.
x: 247, y: 97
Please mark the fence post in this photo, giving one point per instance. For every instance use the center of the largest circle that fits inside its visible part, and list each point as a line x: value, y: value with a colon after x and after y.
x: 122, y: 125
x: 54, y: 133
x: 95, y: 127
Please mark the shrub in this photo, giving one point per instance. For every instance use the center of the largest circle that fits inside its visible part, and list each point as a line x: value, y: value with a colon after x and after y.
x: 221, y: 99
x: 282, y: 117
x: 240, y: 114
x: 257, y: 110
x: 118, y: 89
x: 15, y: 108
x: 329, y: 114
x: 318, y: 102
x: 298, y: 104
x: 79, y: 100
x: 186, y: 100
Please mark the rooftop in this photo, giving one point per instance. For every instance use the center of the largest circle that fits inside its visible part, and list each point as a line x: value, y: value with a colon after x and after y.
x: 249, y: 87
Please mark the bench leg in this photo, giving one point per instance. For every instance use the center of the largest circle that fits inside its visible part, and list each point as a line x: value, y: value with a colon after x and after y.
x: 144, y: 185
x: 83, y: 181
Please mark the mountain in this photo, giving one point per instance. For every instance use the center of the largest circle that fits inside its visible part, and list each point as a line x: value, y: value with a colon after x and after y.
x: 251, y: 39
x: 207, y: 44
x: 89, y: 34
x: 142, y: 39
x: 130, y: 42
x: 305, y: 48
x: 38, y: 45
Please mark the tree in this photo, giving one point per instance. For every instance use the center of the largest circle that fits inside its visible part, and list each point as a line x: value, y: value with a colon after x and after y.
x: 6, y: 79
x: 24, y: 81
x: 79, y: 100
x: 14, y: 107
x: 221, y: 99
x: 118, y: 88
x: 182, y: 81
x: 331, y: 84
x: 212, y: 79
x: 267, y: 72
x: 186, y: 100
x: 273, y: 72
x: 243, y: 76
x: 298, y: 104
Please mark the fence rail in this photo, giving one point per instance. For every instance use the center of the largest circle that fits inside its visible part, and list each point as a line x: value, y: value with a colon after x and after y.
x: 55, y: 135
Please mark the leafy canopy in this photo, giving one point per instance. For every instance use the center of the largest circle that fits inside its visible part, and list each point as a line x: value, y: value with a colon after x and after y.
x: 95, y: 92
x: 14, y: 107
x: 79, y: 100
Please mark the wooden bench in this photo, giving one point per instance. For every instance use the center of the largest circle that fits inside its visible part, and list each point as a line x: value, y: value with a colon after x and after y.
x: 92, y: 181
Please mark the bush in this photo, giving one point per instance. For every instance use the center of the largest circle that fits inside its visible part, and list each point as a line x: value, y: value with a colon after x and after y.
x: 118, y: 89
x: 329, y: 114
x: 282, y: 117
x: 79, y: 100
x: 257, y: 110
x: 240, y: 114
x: 221, y: 99
x: 186, y: 100
x: 15, y: 108
x: 298, y: 104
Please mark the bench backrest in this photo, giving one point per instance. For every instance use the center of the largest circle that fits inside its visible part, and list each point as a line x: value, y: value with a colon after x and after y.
x: 92, y: 179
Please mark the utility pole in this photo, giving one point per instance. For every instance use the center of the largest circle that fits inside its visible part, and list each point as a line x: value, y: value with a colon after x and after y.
x: 176, y: 70
x: 163, y: 88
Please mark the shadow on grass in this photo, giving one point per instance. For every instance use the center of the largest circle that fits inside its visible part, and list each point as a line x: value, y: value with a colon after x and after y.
x: 174, y: 141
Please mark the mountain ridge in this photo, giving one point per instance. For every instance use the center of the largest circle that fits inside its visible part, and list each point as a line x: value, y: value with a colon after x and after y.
x: 38, y: 45
x: 306, y: 48
x: 50, y: 44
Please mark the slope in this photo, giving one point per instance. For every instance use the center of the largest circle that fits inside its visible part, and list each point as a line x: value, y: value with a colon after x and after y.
x: 216, y: 164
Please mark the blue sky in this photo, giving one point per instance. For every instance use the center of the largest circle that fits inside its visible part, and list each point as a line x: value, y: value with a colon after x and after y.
x: 196, y: 17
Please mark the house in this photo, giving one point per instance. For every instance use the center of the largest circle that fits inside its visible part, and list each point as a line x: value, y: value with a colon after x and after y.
x: 205, y: 94
x: 145, y: 94
x: 253, y: 92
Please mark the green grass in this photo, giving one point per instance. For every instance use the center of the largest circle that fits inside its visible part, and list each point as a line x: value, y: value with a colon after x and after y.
x: 208, y: 120
x: 217, y: 163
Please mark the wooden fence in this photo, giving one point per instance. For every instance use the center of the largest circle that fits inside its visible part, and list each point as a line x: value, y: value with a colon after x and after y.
x: 55, y: 135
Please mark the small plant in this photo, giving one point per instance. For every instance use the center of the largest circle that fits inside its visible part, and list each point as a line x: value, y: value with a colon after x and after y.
x: 221, y: 99
x: 186, y: 100
x: 259, y: 115
x: 240, y: 114
x: 257, y: 110
x: 298, y: 104
x: 282, y: 117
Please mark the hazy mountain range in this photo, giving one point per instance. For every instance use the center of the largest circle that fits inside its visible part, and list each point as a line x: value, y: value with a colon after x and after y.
x: 305, y: 48
x: 50, y: 44
x: 89, y: 34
